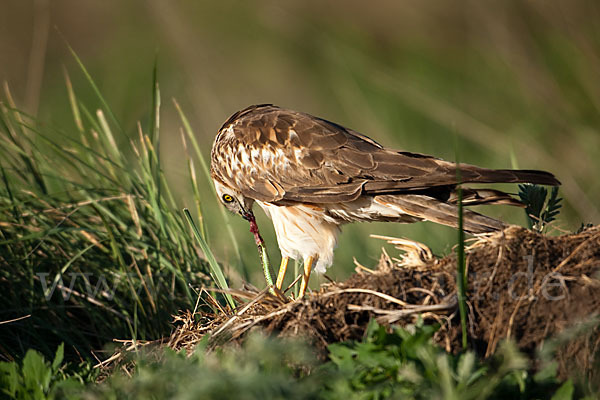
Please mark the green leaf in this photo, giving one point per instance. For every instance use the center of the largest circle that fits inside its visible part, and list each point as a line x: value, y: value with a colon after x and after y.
x: 539, y: 211
x: 36, y: 373
x: 9, y: 378
x: 465, y: 367
x: 58, y: 358
x: 533, y: 196
x: 547, y: 373
x: 565, y: 392
x: 553, y: 206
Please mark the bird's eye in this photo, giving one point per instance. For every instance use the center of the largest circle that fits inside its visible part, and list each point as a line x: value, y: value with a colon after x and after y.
x: 227, y: 198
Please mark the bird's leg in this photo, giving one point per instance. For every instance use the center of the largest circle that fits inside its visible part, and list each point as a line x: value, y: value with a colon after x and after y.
x: 307, y: 269
x: 281, y: 274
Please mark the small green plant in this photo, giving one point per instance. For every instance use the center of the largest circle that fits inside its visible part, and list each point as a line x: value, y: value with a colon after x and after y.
x: 407, y: 364
x: 35, y: 378
x: 402, y: 363
x: 541, y: 209
x: 261, y: 368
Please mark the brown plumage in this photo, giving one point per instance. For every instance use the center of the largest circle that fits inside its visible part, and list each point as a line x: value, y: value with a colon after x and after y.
x: 290, y: 162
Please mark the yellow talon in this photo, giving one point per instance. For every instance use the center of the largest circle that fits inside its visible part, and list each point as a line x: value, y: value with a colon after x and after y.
x: 281, y: 273
x: 307, y: 269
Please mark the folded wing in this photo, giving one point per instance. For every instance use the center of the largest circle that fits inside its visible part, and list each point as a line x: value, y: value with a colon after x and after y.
x: 278, y: 155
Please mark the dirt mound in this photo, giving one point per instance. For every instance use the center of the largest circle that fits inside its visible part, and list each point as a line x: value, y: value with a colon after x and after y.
x: 521, y: 285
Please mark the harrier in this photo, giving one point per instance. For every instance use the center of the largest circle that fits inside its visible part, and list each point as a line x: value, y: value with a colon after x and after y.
x: 310, y: 176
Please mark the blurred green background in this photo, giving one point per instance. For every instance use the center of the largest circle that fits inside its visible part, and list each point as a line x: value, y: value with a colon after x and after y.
x: 514, y: 83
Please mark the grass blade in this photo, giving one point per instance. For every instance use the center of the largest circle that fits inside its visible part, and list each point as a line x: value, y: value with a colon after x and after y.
x: 192, y: 138
x: 212, y: 261
x: 95, y: 88
x: 461, y: 278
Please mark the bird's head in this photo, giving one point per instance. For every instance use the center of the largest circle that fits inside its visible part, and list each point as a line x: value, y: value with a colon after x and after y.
x: 235, y: 201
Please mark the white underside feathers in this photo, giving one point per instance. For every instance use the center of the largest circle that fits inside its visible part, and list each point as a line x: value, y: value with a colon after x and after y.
x: 310, y: 230
x: 302, y: 232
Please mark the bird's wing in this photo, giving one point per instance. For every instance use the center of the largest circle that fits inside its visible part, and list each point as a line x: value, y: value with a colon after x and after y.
x: 273, y: 154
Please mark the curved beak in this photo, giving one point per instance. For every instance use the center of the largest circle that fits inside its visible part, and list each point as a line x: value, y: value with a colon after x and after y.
x: 247, y: 215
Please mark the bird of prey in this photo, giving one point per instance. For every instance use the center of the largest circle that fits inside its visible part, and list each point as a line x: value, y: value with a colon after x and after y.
x: 310, y: 176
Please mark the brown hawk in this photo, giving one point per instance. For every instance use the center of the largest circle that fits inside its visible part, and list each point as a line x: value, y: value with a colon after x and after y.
x: 310, y: 176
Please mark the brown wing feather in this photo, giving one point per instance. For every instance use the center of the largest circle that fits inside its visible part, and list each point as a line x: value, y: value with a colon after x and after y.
x: 273, y: 154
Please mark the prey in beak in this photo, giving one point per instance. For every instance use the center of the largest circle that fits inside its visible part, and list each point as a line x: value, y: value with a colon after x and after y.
x: 249, y: 216
x: 260, y: 244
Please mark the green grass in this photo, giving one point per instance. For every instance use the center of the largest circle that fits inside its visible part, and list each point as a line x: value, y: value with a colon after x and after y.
x: 93, y: 245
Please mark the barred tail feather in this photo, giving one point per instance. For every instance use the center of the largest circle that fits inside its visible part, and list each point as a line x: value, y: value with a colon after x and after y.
x: 473, y: 197
x: 473, y: 174
x: 431, y: 209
